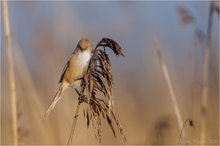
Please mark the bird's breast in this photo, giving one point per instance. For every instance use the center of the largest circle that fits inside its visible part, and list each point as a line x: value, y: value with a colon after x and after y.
x: 83, y: 58
x: 78, y: 65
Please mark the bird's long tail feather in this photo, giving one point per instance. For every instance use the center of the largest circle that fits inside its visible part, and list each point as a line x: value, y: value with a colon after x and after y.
x: 56, y: 98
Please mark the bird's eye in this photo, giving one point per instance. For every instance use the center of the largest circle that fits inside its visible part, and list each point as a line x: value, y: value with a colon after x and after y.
x: 80, y: 47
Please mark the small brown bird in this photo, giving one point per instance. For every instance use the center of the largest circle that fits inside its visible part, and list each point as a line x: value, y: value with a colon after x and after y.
x: 73, y: 71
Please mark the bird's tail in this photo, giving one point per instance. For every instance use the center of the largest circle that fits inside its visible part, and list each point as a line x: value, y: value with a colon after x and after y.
x: 56, y: 98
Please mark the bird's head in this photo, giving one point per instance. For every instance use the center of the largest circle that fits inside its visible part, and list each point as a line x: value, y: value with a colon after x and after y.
x: 84, y: 45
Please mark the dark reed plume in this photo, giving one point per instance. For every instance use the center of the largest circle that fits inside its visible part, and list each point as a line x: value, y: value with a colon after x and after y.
x: 186, y: 16
x: 98, y: 79
x: 216, y: 5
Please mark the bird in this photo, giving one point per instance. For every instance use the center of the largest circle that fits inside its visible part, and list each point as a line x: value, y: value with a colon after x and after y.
x: 73, y: 71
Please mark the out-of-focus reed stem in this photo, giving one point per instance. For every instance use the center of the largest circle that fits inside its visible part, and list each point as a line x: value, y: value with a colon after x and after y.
x: 170, y: 86
x: 11, y: 75
x: 205, y: 87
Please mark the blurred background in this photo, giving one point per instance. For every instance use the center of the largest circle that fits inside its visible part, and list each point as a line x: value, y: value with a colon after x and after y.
x: 44, y: 34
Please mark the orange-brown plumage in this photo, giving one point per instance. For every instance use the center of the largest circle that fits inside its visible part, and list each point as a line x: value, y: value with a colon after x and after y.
x: 73, y: 70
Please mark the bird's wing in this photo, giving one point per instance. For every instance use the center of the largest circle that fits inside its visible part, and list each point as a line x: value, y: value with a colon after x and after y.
x: 64, y: 71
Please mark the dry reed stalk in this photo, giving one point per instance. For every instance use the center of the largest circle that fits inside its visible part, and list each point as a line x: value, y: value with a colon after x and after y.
x: 11, y: 75
x: 98, y: 79
x: 170, y: 86
x: 205, y: 87
x: 73, y: 124
x: 191, y: 124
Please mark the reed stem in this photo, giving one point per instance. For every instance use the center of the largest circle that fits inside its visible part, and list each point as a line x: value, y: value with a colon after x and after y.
x: 73, y: 124
x: 205, y: 87
x: 170, y: 86
x: 11, y: 76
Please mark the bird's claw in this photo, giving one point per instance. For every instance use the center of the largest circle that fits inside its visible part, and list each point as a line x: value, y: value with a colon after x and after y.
x: 82, y: 98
